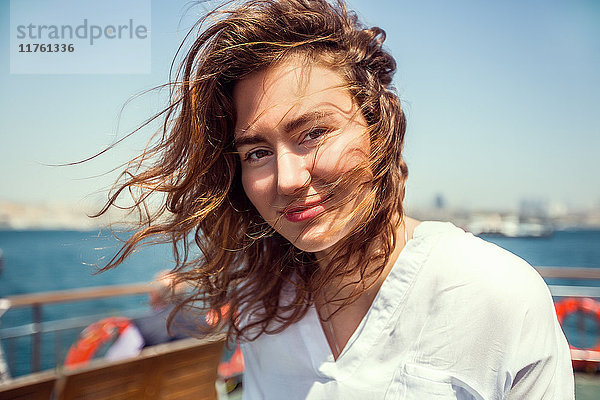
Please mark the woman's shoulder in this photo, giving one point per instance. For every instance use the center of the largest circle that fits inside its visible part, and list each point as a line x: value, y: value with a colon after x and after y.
x: 494, y: 309
x: 459, y: 259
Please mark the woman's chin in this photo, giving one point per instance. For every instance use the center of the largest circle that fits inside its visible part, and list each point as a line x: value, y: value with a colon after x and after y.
x: 316, y: 240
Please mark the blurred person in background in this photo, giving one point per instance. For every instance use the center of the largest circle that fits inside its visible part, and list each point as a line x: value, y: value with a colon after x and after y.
x: 153, y: 328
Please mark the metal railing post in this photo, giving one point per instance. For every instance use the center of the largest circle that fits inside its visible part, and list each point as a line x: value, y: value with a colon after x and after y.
x: 36, y: 338
x: 4, y: 306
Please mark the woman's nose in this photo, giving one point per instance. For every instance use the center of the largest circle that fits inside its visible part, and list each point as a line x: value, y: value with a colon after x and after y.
x: 293, y: 173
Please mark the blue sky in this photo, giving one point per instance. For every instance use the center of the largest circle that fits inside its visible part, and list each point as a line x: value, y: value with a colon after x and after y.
x: 502, y: 100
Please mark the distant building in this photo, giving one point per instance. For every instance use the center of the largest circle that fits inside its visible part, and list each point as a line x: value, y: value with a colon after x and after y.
x: 529, y: 208
x: 439, y: 202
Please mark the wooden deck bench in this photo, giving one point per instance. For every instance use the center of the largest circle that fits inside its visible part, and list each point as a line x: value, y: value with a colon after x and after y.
x: 37, y: 386
x: 184, y: 369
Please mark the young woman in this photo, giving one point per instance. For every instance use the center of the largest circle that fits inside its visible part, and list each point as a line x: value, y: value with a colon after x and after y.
x: 281, y: 162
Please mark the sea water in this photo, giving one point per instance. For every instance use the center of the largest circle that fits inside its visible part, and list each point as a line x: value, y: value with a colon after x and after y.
x: 40, y: 261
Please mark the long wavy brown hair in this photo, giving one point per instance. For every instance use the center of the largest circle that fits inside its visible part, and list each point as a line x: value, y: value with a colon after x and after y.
x: 186, y: 186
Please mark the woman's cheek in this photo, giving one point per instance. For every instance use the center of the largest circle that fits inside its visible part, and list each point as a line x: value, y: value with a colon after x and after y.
x: 259, y: 191
x: 250, y: 187
x: 340, y: 157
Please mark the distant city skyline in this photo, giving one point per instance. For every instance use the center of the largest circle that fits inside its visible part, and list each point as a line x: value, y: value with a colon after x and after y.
x: 501, y: 100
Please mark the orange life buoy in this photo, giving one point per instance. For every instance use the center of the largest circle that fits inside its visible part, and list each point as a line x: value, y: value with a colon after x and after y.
x: 583, y: 359
x: 93, y: 337
x: 232, y: 367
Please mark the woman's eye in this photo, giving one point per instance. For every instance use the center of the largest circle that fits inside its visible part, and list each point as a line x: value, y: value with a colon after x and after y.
x: 257, y: 155
x: 315, y: 133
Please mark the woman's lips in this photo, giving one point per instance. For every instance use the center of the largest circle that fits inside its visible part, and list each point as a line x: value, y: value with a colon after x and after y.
x: 299, y: 214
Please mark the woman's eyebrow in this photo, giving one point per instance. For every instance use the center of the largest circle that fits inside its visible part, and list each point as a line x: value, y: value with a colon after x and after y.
x: 306, y: 118
x: 295, y: 123
x: 248, y: 139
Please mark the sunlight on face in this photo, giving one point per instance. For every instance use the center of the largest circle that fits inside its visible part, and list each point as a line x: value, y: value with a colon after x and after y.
x: 299, y: 129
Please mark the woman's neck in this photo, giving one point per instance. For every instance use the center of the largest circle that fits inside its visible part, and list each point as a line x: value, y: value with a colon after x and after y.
x: 352, y: 296
x: 351, y: 283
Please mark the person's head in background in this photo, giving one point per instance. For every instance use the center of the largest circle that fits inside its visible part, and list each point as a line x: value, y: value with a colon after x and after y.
x: 164, y: 292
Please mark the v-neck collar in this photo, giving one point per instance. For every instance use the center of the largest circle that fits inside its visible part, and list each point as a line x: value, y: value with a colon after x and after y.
x: 388, y: 301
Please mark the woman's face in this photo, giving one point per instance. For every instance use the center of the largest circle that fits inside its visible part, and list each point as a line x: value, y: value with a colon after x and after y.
x: 298, y: 129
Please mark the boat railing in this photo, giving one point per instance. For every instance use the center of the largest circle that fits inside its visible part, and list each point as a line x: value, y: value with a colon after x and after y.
x: 38, y: 327
x: 571, y: 273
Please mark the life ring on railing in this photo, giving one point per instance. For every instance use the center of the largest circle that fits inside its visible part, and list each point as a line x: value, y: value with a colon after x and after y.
x: 93, y: 337
x: 231, y: 368
x: 583, y: 359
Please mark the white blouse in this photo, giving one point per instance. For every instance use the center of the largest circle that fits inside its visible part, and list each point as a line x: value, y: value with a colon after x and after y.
x: 456, y: 318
